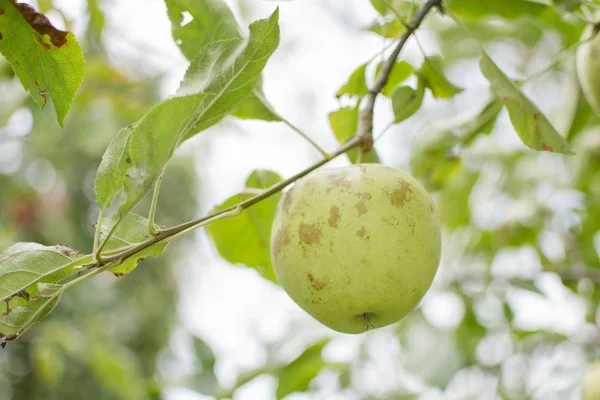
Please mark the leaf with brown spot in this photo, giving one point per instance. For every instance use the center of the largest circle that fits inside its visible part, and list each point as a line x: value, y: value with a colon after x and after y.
x: 534, y: 129
x: 24, y: 265
x: 113, y: 167
x: 406, y: 101
x: 42, y: 24
x: 48, y: 62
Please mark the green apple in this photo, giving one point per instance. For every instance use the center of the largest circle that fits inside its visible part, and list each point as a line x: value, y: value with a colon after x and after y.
x: 356, y: 247
x: 591, y: 385
x: 588, y: 65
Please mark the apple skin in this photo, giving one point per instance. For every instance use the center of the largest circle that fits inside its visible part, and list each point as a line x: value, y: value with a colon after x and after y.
x: 588, y: 65
x: 591, y: 386
x: 356, y: 247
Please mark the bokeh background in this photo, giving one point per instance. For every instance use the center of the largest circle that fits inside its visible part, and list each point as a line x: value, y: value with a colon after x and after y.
x: 513, y: 312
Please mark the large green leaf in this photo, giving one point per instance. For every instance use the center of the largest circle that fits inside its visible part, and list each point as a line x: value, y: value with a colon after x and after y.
x: 222, y: 75
x: 212, y: 21
x: 131, y: 230
x: 111, y: 172
x: 296, y: 376
x: 509, y: 9
x: 533, y: 127
x: 24, y: 265
x: 406, y: 101
x: 344, y: 124
x: 48, y: 62
x: 245, y: 239
x: 432, y: 75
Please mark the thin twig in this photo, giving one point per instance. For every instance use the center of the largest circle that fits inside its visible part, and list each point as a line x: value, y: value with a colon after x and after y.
x: 365, y: 127
x: 170, y: 232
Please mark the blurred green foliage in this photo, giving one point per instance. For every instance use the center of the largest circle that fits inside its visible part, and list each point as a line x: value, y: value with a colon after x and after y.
x: 104, y: 341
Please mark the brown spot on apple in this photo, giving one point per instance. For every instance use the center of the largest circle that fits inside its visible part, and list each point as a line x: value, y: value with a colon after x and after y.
x: 401, y: 195
x: 390, y: 220
x: 334, y: 216
x: 364, y: 195
x: 310, y: 233
x: 338, y: 182
x: 318, y: 284
x: 363, y: 233
x: 282, y: 238
x: 361, y: 208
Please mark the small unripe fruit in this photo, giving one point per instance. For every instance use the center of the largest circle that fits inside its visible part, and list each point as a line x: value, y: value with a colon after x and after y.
x: 591, y: 384
x: 588, y: 65
x: 356, y: 247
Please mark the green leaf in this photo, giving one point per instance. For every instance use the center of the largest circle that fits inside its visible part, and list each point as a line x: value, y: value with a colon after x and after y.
x: 432, y: 74
x: 469, y: 333
x: 296, y: 376
x: 508, y: 9
x: 356, y: 85
x: 246, y: 238
x: 205, y: 355
x: 406, y: 101
x: 387, y: 29
x: 534, y: 129
x: 400, y: 72
x: 222, y: 75
x: 344, y: 124
x: 212, y: 21
x: 255, y: 106
x: 25, y: 265
x: 49, y: 64
x: 97, y: 21
x: 22, y: 317
x: 381, y: 7
x: 131, y: 230
x: 405, y: 8
x: 482, y: 123
x: 111, y: 172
